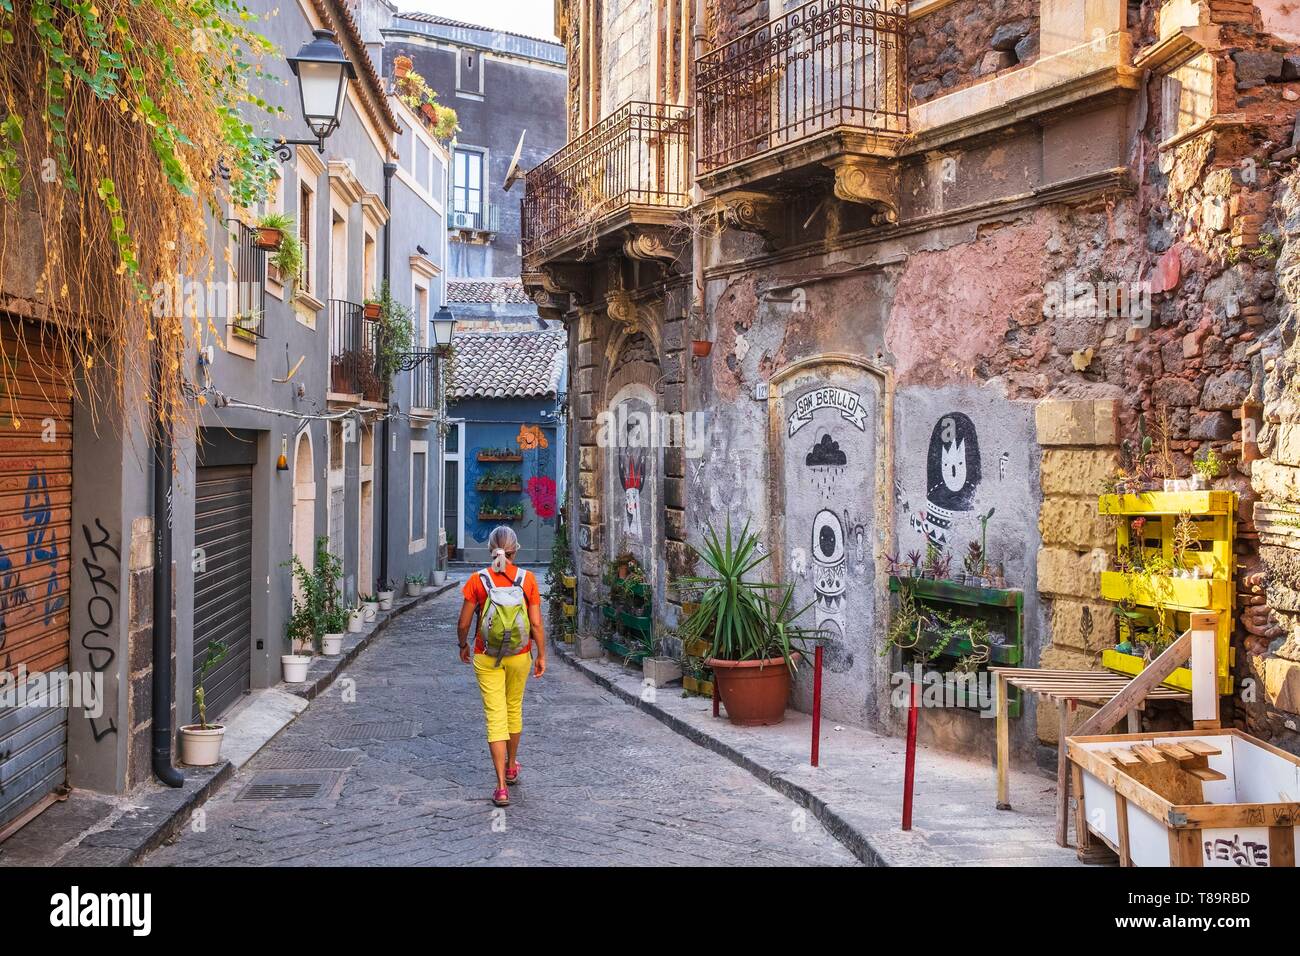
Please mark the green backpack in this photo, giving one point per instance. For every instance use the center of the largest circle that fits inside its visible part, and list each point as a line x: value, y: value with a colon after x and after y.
x: 503, y: 620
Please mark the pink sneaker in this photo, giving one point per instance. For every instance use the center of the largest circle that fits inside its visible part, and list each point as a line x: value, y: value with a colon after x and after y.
x: 501, y: 797
x: 512, y: 774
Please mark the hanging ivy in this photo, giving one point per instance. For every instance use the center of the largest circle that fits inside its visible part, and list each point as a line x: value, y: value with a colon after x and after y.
x: 127, y: 132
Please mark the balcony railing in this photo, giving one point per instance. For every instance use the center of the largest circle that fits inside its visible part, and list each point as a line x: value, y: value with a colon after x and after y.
x: 637, y: 156
x: 424, y: 381
x: 353, y: 352
x: 824, y: 65
x: 248, y: 262
x: 486, y: 218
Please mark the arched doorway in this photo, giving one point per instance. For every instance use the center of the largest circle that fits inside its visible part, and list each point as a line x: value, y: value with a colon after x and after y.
x: 304, y: 504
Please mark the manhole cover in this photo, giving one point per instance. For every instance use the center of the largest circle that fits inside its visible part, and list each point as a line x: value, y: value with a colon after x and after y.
x: 311, y: 760
x: 289, y: 785
x: 380, y: 730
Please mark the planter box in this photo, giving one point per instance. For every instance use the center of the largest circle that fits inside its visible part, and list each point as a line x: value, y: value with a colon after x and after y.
x: 587, y: 648
x: 1190, y: 594
x: 1191, y: 798
x: 695, y: 686
x: 570, y: 581
x: 661, y: 671
x: 698, y: 649
x: 1168, y: 503
x: 570, y: 610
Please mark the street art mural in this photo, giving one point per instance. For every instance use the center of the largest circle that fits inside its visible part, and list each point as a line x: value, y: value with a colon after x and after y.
x: 829, y: 474
x: 964, y: 476
x: 531, y: 465
x: 952, y: 476
x: 541, y: 492
x: 631, y: 473
x: 631, y: 476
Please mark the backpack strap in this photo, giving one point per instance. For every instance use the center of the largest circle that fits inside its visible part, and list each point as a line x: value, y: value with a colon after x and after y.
x: 520, y: 578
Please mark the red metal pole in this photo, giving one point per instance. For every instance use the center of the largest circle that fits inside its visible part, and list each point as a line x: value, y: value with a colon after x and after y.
x: 716, y: 699
x: 817, y: 704
x: 909, y: 772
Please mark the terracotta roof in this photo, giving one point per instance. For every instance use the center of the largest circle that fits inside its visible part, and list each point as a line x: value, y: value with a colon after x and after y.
x: 507, y: 291
x: 337, y: 16
x: 508, y: 364
x: 462, y: 25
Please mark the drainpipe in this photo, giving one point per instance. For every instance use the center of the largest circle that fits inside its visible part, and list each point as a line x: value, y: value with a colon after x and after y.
x: 697, y: 242
x: 162, y: 596
x: 390, y: 169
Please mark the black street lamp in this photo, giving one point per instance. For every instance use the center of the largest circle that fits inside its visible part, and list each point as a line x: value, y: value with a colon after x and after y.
x: 444, y: 326
x: 323, y: 72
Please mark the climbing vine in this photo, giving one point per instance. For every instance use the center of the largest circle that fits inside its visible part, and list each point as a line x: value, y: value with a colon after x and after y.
x: 127, y: 131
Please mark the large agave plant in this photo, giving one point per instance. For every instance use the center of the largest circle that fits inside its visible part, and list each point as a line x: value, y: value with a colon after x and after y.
x: 742, y: 620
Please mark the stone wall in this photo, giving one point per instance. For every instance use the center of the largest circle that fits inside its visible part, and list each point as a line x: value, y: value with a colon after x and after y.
x: 967, y: 41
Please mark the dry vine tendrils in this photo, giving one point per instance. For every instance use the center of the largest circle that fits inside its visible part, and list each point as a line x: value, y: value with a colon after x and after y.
x: 118, y: 115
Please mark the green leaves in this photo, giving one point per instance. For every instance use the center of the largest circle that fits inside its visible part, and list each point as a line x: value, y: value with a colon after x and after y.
x: 742, y: 620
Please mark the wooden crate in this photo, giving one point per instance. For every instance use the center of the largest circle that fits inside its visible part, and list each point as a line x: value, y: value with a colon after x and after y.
x: 1187, y: 798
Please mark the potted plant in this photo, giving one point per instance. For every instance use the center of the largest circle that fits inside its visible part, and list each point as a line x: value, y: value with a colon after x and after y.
x: 750, y: 626
x: 414, y: 585
x: 271, y: 230
x: 201, y: 742
x: 438, y: 576
x: 384, y: 592
x: 286, y: 255
x: 701, y: 348
x: 1206, y: 468
x: 336, y: 623
x: 658, y: 668
x: 299, y: 633
x: 369, y: 607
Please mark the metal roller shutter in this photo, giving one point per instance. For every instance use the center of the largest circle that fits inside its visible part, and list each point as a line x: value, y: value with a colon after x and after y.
x: 223, y: 590
x: 35, y: 540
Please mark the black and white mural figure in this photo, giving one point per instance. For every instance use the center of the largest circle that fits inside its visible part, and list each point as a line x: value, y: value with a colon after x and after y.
x: 631, y: 473
x: 952, y: 476
x: 830, y: 578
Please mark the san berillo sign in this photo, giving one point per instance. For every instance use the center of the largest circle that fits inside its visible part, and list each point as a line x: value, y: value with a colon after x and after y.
x: 848, y: 404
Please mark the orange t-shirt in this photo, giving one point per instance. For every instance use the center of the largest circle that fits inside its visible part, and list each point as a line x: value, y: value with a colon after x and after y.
x: 475, y: 591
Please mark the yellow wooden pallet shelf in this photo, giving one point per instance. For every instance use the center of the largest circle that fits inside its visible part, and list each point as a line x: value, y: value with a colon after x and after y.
x: 1181, y: 594
x: 1170, y: 503
x: 1163, y: 597
x: 1181, y: 678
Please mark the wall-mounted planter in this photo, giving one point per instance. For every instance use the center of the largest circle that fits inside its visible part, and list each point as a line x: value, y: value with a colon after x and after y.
x: 488, y: 457
x: 701, y: 348
x: 497, y: 516
x: 570, y: 581
x: 371, y: 311
x: 269, y: 239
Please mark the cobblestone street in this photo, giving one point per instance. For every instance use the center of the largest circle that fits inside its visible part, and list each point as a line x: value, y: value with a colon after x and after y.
x: 602, y: 783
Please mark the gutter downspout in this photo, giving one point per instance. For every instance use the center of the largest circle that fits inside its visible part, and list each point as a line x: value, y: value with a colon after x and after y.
x: 162, y: 596
x: 697, y: 241
x: 390, y: 169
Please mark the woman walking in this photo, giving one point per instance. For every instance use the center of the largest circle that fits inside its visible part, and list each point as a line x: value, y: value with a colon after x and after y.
x: 508, y: 605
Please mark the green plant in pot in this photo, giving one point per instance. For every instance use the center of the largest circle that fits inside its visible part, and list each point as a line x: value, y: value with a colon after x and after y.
x: 201, y: 742
x: 749, y: 625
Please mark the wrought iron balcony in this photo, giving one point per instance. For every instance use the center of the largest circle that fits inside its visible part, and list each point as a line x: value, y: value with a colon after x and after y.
x: 631, y: 169
x: 248, y: 263
x: 424, y: 380
x: 353, y: 352
x: 822, y: 87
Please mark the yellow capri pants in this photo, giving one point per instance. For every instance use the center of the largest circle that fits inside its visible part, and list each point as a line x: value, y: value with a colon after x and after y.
x: 503, y: 692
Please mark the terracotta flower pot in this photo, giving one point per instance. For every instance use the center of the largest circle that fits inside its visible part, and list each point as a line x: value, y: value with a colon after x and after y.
x: 268, y: 238
x: 754, y: 692
x: 372, y: 311
x: 402, y: 66
x: 701, y: 348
